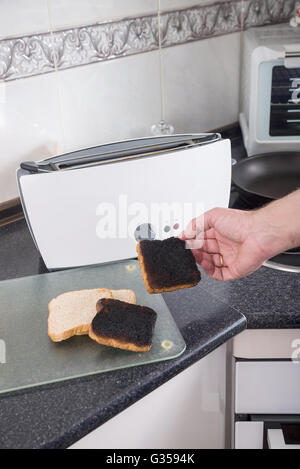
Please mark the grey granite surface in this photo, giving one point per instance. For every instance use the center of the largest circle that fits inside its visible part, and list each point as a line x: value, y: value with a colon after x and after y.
x: 57, y: 415
x: 270, y: 299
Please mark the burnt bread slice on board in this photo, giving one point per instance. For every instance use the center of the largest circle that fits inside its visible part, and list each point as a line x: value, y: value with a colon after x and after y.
x: 123, y: 325
x: 167, y: 265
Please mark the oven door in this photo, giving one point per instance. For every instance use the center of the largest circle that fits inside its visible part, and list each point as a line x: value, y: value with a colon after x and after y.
x: 278, y: 105
x: 268, y: 432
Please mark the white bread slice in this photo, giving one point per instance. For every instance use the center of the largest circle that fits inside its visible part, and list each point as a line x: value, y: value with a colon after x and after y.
x: 124, y: 295
x: 71, y: 313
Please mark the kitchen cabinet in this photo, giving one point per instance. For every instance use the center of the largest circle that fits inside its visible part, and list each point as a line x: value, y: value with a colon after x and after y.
x: 186, y: 412
x: 268, y: 387
x: 266, y: 370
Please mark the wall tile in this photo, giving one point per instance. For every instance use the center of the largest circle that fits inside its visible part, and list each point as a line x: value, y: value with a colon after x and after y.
x: 174, y: 4
x: 30, y: 126
x: 201, y: 83
x: 20, y: 17
x: 77, y: 12
x: 110, y: 101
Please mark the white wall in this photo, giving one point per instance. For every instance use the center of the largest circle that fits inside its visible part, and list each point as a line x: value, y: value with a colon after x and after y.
x: 92, y: 104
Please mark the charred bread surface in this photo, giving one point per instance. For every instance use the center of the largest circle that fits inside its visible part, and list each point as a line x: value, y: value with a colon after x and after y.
x: 167, y: 265
x: 123, y: 325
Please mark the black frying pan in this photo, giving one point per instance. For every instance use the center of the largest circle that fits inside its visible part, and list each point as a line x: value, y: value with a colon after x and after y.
x: 263, y: 178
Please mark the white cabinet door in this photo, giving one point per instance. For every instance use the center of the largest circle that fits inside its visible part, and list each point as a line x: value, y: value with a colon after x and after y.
x: 186, y: 412
x: 249, y: 435
x: 267, y: 388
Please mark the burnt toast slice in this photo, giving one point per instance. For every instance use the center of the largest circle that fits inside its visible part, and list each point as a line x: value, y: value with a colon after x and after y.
x: 123, y: 325
x: 167, y: 265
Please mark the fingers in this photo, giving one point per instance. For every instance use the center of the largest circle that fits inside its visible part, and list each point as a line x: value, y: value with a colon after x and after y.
x: 212, y: 265
x: 218, y: 260
x: 200, y: 237
x: 207, y: 249
x: 222, y: 274
x: 210, y: 246
x: 194, y: 228
x: 201, y: 256
x: 210, y: 269
x: 194, y: 244
x: 204, y: 259
x: 210, y: 234
x: 201, y: 224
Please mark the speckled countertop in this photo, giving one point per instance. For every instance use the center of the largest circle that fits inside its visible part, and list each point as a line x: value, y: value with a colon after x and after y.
x: 270, y: 299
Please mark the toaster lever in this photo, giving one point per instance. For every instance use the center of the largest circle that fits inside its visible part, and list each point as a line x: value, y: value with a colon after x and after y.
x: 34, y: 167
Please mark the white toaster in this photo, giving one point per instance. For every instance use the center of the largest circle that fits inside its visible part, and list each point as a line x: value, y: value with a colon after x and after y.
x: 93, y: 205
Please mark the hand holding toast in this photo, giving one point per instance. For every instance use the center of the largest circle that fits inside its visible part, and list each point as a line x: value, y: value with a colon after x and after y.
x: 235, y: 243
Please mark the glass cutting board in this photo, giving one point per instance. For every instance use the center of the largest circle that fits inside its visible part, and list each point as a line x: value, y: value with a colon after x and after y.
x: 29, y: 358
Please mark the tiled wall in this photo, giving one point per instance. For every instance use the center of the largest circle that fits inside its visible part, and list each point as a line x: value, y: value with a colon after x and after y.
x: 77, y: 73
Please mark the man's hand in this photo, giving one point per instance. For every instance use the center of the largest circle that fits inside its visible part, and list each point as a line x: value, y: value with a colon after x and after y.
x: 235, y: 242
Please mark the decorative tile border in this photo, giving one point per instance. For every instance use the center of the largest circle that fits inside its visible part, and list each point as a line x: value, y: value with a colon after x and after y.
x: 41, y: 53
x: 258, y: 13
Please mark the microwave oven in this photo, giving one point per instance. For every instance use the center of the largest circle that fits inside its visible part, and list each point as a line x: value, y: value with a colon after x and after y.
x: 270, y: 89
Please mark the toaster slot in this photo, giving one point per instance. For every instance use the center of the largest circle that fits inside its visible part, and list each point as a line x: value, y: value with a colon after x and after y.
x: 116, y: 152
x: 120, y: 155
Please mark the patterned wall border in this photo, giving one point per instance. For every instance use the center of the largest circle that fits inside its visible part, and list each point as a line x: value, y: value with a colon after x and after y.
x: 42, y: 53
